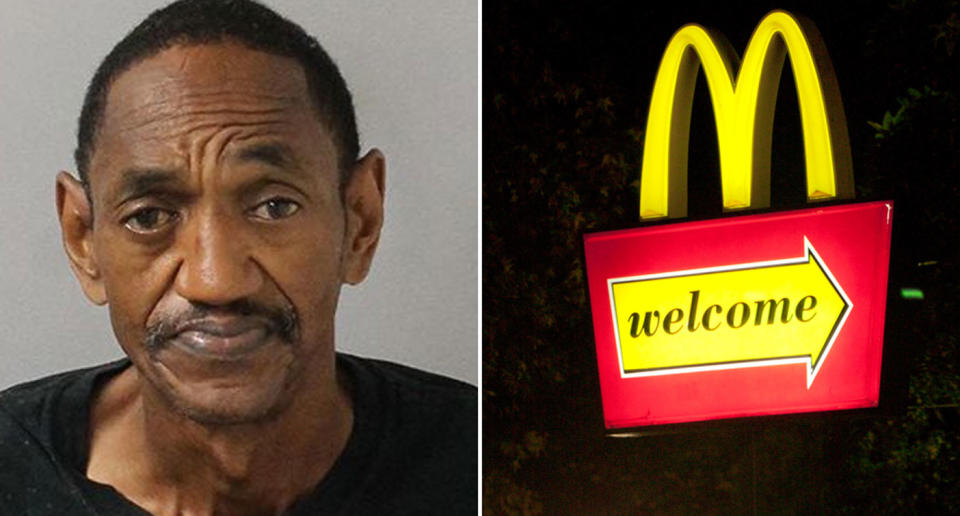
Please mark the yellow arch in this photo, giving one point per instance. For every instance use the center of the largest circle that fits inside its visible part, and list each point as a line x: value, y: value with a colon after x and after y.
x: 743, y: 110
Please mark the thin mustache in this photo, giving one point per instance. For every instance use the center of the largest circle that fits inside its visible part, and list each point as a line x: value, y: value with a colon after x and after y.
x: 282, y: 321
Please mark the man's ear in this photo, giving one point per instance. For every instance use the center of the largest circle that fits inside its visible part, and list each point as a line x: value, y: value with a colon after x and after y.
x: 363, y: 202
x: 76, y: 228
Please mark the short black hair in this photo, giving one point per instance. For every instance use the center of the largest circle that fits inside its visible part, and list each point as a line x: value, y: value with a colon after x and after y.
x: 255, y: 26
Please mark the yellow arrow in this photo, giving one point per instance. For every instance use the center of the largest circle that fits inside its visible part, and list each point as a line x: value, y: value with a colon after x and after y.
x: 744, y: 315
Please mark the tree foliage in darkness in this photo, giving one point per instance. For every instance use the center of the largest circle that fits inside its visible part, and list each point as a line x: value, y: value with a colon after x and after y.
x: 565, y: 95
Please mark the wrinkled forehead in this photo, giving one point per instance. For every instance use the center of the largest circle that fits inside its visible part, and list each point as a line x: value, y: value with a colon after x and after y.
x: 212, y: 95
x: 204, y: 78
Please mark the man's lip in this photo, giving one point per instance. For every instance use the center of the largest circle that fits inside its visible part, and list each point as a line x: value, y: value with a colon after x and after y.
x: 220, y: 327
x: 221, y: 340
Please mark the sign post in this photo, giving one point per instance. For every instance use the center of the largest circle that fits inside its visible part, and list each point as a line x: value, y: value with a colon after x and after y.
x: 760, y: 314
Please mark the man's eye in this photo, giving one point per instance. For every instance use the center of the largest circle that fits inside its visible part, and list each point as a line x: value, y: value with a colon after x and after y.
x: 147, y: 220
x: 275, y: 209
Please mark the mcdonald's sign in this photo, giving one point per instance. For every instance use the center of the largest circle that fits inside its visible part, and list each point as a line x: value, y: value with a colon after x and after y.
x: 760, y: 314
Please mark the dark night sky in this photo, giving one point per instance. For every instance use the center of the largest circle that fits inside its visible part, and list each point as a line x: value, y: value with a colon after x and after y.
x: 620, y: 44
x: 879, y: 50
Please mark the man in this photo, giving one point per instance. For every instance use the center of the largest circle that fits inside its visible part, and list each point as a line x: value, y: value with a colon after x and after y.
x: 220, y: 205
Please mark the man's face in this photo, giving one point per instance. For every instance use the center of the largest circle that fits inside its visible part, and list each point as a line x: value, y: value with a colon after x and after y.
x: 219, y: 236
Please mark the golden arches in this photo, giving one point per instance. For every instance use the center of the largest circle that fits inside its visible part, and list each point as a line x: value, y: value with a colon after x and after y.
x: 743, y: 110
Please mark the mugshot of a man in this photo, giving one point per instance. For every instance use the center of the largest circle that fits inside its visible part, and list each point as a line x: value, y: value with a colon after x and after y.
x: 220, y: 203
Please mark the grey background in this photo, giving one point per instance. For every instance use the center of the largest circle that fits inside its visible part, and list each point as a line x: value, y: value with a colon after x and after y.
x: 412, y: 68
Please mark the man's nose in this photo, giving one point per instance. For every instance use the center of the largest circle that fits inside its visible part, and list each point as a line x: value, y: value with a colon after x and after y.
x: 217, y: 266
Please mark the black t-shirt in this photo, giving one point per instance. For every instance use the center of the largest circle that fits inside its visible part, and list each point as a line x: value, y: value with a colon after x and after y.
x: 413, y: 449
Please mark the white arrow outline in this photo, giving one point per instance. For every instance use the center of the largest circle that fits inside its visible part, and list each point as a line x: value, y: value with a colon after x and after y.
x: 807, y: 360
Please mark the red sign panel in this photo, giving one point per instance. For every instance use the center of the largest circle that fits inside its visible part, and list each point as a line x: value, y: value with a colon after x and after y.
x: 743, y: 316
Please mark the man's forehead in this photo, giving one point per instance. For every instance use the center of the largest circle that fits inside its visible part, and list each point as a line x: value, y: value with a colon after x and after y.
x: 216, y: 74
x: 161, y: 106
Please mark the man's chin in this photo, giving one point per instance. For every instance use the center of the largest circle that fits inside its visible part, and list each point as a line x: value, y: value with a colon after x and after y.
x: 250, y: 389
x: 227, y: 408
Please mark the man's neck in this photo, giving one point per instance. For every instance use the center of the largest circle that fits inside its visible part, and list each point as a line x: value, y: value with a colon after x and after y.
x: 169, y: 464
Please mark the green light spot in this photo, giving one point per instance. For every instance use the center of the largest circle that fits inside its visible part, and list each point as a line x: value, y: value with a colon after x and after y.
x: 911, y: 293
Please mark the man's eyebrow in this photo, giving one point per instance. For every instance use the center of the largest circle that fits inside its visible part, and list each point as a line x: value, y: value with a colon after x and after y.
x: 137, y: 182
x: 275, y: 154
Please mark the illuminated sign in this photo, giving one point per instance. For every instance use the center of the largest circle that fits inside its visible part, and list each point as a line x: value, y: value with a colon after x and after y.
x: 753, y: 315
x: 744, y: 315
x: 758, y: 314
x: 743, y: 110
